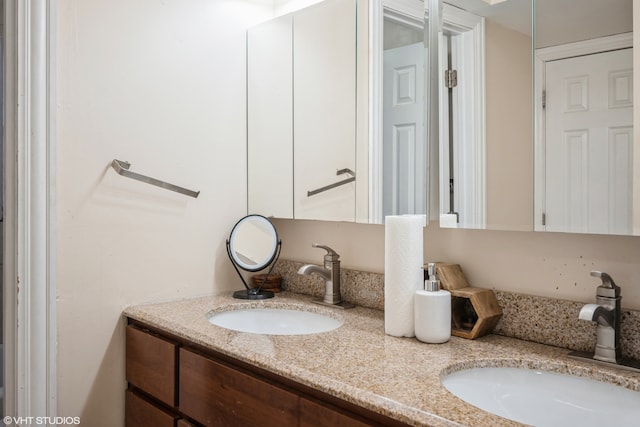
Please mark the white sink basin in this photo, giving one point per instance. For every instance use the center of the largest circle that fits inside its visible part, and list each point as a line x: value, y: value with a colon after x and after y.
x: 542, y: 398
x: 275, y: 321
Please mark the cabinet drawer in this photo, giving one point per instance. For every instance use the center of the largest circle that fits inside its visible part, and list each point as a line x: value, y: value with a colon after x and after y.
x: 313, y: 414
x: 141, y: 413
x: 151, y: 364
x: 217, y: 395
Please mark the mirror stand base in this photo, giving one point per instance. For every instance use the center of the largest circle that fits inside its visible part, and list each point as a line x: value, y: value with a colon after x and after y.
x: 251, y: 294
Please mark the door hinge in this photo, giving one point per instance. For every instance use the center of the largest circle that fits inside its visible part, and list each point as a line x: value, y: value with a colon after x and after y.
x: 450, y: 79
x: 544, y: 218
x: 544, y: 99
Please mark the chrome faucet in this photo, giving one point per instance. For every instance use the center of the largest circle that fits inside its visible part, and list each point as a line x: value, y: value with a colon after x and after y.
x: 606, y: 312
x: 331, y: 275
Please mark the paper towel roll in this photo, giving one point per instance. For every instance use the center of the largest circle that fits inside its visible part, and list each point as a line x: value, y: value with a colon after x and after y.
x: 403, y: 273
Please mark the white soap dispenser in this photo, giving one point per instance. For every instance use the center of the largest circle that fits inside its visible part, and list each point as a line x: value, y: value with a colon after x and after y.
x: 432, y: 311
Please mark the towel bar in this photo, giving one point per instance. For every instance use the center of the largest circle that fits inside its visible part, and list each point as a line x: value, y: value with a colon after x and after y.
x: 122, y: 168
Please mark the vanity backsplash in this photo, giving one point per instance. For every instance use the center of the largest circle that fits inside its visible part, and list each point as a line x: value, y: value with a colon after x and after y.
x: 531, y: 318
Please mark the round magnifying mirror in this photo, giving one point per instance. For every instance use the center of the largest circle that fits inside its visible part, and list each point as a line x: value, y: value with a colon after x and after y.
x: 253, y: 246
x: 253, y: 243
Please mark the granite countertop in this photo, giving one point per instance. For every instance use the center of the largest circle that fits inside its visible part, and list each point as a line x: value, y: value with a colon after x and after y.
x: 359, y: 363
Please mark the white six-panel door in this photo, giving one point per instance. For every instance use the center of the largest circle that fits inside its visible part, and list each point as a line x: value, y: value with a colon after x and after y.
x: 589, y: 135
x: 403, y: 131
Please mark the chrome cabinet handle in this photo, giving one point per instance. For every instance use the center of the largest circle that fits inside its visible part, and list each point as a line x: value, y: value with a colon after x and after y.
x: 335, y: 184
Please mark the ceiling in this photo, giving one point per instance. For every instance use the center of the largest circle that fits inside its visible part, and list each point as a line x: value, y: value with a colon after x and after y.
x: 557, y: 21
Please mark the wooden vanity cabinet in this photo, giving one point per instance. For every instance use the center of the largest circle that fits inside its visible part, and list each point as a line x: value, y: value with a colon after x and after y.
x: 141, y: 412
x: 151, y: 364
x: 217, y: 395
x: 175, y: 383
x: 151, y: 371
x: 316, y: 414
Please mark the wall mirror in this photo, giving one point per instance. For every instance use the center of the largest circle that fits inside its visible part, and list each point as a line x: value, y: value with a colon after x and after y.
x: 560, y: 158
x: 399, y: 157
x: 500, y: 165
x: 336, y: 128
x: 253, y: 245
x: 485, y: 141
x: 585, y: 161
x: 302, y: 113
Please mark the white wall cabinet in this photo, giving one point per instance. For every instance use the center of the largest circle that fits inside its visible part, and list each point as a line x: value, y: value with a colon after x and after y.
x: 270, y: 118
x: 301, y: 91
x: 324, y: 108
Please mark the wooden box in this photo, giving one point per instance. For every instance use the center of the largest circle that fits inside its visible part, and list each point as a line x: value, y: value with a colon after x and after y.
x: 474, y: 311
x: 451, y: 276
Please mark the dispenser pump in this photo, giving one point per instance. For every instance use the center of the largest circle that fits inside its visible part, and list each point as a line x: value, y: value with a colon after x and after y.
x: 432, y: 284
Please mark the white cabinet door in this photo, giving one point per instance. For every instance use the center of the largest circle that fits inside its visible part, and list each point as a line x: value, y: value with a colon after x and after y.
x: 324, y: 109
x: 270, y: 118
x: 589, y: 142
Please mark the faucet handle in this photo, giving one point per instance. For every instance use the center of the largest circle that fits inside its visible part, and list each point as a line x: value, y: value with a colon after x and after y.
x: 608, y: 288
x: 331, y: 255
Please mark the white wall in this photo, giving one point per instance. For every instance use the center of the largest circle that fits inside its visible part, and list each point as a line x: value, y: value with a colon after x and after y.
x: 160, y: 84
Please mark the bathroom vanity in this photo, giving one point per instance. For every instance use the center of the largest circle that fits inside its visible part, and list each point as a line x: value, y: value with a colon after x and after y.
x: 182, y: 370
x: 173, y: 381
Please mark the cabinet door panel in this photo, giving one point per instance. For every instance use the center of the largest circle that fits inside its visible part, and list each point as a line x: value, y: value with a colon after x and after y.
x: 151, y: 364
x: 324, y: 108
x: 314, y: 414
x: 216, y: 395
x: 141, y: 413
x: 270, y: 118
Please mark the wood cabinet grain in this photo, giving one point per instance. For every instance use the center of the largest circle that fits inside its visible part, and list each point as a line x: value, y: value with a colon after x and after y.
x: 151, y: 364
x: 139, y: 412
x: 316, y: 414
x: 217, y: 395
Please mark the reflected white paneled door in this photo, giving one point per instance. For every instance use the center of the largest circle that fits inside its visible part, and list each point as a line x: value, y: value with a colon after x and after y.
x: 589, y: 143
x: 404, y: 157
x: 324, y: 109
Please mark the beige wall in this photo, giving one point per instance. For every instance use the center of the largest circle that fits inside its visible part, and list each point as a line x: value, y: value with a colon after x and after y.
x: 556, y: 265
x: 160, y: 84
x: 509, y: 118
